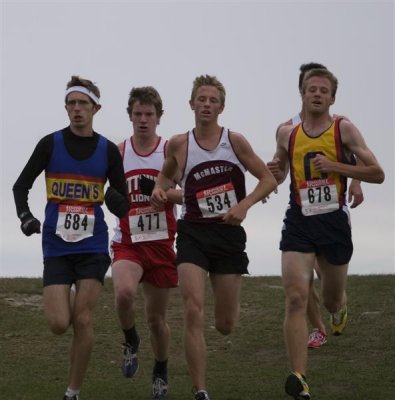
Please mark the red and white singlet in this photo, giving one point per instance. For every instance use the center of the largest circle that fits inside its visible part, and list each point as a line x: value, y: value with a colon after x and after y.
x: 144, y: 223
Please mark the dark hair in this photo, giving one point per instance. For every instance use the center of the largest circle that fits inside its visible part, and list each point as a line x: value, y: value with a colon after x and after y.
x: 307, y: 67
x: 145, y: 95
x: 86, y: 83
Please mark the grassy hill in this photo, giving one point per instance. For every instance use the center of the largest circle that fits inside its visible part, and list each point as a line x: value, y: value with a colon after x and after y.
x: 249, y: 364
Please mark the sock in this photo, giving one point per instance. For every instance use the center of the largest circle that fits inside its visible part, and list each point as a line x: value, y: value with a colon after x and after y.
x: 160, y: 367
x: 298, y: 373
x: 72, y: 392
x: 131, y: 336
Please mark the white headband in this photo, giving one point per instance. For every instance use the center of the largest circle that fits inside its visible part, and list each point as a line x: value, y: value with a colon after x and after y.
x: 84, y: 90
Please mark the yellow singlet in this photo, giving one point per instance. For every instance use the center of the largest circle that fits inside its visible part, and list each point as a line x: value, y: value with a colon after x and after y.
x: 315, y: 192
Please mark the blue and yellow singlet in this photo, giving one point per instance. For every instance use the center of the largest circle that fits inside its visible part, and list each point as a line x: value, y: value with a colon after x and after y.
x: 74, y: 220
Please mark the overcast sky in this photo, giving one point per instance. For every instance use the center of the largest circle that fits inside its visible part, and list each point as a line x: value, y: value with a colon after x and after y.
x: 254, y: 48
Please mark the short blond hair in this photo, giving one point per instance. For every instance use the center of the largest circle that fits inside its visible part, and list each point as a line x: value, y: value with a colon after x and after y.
x: 321, y: 73
x: 208, y: 80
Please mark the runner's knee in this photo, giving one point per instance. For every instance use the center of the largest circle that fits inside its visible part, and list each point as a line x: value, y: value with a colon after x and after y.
x: 58, y: 326
x: 296, y: 302
x: 124, y: 297
x: 224, y: 325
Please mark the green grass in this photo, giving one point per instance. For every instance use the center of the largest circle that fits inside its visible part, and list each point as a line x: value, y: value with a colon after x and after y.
x: 249, y: 364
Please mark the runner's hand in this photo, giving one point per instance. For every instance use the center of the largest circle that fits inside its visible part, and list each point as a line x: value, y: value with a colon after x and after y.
x: 29, y: 224
x: 146, y: 185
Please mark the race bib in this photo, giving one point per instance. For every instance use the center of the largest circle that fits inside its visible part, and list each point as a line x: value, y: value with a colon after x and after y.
x: 216, y: 201
x: 318, y: 196
x: 146, y: 224
x: 75, y: 223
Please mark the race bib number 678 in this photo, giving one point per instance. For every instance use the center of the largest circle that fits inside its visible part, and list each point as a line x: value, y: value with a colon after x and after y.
x: 318, y: 196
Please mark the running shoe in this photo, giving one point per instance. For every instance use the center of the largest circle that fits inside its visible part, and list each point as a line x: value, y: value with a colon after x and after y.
x: 339, y: 321
x: 75, y: 397
x: 316, y: 339
x: 130, y: 363
x: 159, y: 386
x: 296, y: 386
x: 201, y: 395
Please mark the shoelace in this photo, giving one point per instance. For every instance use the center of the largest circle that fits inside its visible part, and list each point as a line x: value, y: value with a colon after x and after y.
x: 317, y: 335
x: 337, y: 318
x: 128, y: 355
x: 201, y: 396
x: 305, y: 386
x: 159, y: 387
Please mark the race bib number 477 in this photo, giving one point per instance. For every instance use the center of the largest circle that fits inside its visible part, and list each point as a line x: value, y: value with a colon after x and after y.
x: 146, y: 223
x: 216, y: 201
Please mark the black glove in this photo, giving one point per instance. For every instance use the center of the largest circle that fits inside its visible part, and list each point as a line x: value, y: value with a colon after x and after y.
x: 116, y: 203
x: 146, y: 185
x: 29, y: 224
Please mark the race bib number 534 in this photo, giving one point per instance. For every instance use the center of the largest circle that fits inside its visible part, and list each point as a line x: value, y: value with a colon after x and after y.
x: 216, y: 201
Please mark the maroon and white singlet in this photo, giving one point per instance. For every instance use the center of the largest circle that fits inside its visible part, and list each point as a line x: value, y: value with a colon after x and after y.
x: 213, y: 180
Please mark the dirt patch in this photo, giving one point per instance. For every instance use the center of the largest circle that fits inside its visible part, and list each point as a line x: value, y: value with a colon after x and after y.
x: 21, y: 300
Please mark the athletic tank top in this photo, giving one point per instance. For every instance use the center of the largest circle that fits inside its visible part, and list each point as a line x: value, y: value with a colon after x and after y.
x: 144, y: 223
x: 74, y: 220
x: 315, y: 192
x: 296, y: 120
x: 213, y: 180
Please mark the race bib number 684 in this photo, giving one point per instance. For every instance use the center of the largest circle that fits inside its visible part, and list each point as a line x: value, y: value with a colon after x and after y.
x: 75, y: 223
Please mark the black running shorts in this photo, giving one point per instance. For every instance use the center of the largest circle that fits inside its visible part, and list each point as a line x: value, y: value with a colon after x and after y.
x: 70, y: 268
x: 328, y: 235
x: 217, y: 248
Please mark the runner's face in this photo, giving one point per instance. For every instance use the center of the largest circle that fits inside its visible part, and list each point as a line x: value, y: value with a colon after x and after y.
x: 317, y: 96
x: 207, y: 104
x: 80, y: 109
x: 144, y: 119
